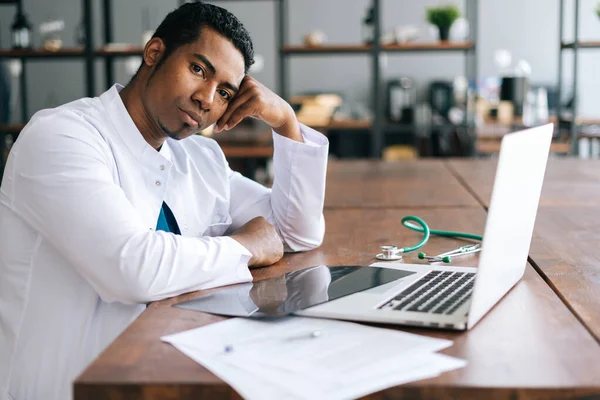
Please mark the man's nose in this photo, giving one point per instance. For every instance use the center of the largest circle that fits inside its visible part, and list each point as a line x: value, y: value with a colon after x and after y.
x: 205, y: 96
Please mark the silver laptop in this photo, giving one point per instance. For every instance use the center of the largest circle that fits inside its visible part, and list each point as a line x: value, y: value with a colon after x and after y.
x: 454, y: 297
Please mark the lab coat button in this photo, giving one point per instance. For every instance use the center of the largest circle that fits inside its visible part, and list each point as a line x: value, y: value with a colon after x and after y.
x: 157, y: 183
x: 162, y: 167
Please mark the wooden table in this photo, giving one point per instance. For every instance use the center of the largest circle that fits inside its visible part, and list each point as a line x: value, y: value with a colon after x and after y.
x: 246, y: 146
x: 367, y: 184
x: 567, y: 231
x: 529, y: 346
x: 568, y: 181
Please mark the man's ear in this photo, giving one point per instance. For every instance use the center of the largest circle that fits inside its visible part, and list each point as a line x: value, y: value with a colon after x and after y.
x: 153, y: 52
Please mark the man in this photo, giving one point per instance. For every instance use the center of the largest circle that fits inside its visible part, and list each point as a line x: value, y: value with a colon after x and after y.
x: 109, y: 203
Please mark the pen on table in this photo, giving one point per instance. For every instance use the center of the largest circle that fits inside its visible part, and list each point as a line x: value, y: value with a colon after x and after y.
x: 308, y: 335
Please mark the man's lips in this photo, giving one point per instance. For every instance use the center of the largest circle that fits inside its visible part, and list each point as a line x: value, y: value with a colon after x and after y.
x: 188, y: 119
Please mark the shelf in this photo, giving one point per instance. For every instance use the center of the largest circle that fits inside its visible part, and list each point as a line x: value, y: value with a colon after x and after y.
x: 74, y: 52
x: 344, y: 124
x: 587, y: 121
x: 14, y: 128
x: 428, y: 46
x: 397, y: 127
x: 41, y: 53
x: 327, y: 49
x: 364, y: 48
x: 388, y: 127
x: 581, y: 45
x: 493, y: 147
x: 247, y: 151
x: 120, y: 52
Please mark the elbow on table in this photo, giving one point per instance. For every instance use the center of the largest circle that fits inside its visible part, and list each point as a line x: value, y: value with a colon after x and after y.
x: 308, y: 240
x: 134, y: 283
x: 137, y: 271
x: 131, y: 293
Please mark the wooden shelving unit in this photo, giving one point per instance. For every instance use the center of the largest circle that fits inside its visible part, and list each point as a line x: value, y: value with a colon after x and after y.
x: 493, y: 147
x: 125, y: 52
x: 327, y: 49
x: 364, y: 48
x: 573, y: 45
x: 378, y: 127
x: 429, y: 46
x: 42, y: 53
x: 69, y: 52
x: 581, y: 45
x: 13, y: 128
x: 344, y: 124
x: 247, y: 151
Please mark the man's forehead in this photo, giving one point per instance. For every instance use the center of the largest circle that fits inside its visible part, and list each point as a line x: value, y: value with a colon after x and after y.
x: 221, y: 52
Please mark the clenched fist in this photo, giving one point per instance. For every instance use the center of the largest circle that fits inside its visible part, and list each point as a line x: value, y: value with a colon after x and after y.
x: 262, y: 240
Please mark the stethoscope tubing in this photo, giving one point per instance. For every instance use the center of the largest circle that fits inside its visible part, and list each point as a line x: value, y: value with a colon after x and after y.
x: 391, y: 253
x: 424, y: 228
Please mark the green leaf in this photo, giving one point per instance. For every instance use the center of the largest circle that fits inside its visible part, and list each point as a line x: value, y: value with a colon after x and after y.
x: 442, y: 16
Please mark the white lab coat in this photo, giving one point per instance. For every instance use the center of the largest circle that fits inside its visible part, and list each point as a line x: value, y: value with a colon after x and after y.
x: 79, y: 254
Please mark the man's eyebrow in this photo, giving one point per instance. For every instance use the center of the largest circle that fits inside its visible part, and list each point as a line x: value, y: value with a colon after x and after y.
x: 206, y: 61
x: 234, y: 88
x: 213, y: 70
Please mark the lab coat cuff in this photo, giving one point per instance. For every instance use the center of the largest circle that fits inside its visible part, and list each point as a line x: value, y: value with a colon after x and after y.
x: 312, y: 140
x: 298, y: 190
x: 232, y: 246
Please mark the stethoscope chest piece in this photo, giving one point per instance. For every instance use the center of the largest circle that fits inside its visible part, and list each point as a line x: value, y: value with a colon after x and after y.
x: 389, y: 253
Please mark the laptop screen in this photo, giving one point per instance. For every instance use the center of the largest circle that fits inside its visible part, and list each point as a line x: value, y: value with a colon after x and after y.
x: 293, y: 291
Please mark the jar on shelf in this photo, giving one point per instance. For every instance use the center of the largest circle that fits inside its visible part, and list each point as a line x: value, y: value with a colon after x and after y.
x: 51, y: 31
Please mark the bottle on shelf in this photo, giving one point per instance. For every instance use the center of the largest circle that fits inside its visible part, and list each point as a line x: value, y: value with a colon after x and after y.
x: 80, y: 37
x: 21, y: 32
x: 368, y: 28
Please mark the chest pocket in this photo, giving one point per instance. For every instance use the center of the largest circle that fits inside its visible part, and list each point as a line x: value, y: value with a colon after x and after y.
x: 219, y: 222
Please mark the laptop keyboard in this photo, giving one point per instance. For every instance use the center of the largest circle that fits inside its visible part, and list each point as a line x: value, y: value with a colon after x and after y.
x: 438, y: 292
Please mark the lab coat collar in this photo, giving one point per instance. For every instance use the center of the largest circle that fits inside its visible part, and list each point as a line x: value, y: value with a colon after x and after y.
x: 126, y: 128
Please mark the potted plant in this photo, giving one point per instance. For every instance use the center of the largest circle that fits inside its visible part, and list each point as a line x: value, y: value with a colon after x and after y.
x: 597, y: 9
x: 443, y: 17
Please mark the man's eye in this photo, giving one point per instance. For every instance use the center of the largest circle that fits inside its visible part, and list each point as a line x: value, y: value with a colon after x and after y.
x: 197, y: 69
x: 225, y: 94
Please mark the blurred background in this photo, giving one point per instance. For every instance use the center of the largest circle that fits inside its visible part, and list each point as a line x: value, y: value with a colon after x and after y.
x: 391, y: 79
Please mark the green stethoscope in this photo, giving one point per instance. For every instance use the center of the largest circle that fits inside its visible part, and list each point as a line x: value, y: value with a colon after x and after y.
x: 392, y: 253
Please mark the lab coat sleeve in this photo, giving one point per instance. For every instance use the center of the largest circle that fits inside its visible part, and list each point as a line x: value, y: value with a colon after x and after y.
x: 64, y: 189
x: 294, y: 205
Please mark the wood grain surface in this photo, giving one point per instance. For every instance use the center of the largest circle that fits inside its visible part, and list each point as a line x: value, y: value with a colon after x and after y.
x: 567, y: 231
x: 376, y: 184
x: 530, y: 346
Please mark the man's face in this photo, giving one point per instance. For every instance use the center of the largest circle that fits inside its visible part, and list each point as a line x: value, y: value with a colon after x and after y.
x: 193, y: 87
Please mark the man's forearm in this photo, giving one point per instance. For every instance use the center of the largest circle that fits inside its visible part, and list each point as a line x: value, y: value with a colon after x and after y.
x: 291, y: 128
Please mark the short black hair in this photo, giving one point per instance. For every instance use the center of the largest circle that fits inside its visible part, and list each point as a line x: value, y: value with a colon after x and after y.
x: 183, y: 26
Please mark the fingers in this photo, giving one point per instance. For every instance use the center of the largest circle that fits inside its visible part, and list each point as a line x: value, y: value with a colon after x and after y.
x: 240, y: 99
x: 250, y: 92
x: 247, y: 90
x: 245, y: 110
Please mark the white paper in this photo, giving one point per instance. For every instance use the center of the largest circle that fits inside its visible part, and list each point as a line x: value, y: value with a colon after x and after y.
x: 279, y: 359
